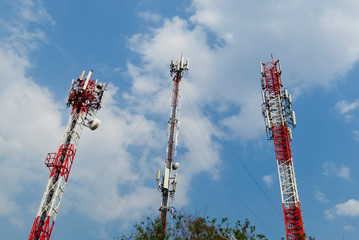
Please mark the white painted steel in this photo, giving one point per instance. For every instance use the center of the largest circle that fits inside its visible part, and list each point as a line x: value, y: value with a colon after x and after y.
x: 87, y: 80
x: 288, y: 185
x: 58, y: 187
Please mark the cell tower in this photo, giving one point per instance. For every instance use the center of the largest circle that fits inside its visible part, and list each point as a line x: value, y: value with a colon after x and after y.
x: 85, y: 97
x: 278, y: 114
x: 167, y: 183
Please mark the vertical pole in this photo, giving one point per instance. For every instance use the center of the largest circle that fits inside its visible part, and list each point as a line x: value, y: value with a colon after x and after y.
x: 278, y: 114
x: 84, y: 96
x: 168, y: 183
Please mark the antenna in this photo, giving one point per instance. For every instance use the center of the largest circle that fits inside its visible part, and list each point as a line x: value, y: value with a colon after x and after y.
x: 85, y: 97
x: 167, y: 183
x: 278, y: 117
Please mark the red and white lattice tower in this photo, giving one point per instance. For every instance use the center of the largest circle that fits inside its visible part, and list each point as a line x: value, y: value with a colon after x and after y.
x: 167, y: 183
x: 278, y: 114
x: 85, y: 98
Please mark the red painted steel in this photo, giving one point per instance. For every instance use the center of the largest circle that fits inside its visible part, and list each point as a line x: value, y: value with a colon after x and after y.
x: 44, y: 232
x: 279, y: 129
x: 168, y: 182
x: 85, y: 96
x: 54, y: 165
x: 170, y: 150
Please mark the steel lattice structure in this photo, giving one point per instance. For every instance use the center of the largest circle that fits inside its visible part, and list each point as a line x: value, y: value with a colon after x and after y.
x: 85, y: 98
x: 167, y: 183
x: 279, y: 116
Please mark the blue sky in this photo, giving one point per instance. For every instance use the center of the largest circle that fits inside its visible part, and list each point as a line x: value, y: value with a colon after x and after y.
x: 227, y: 167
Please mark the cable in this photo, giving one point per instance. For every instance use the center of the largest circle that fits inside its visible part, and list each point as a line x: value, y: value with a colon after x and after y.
x: 72, y: 210
x: 241, y: 163
x: 231, y: 192
x: 128, y: 200
x: 238, y: 159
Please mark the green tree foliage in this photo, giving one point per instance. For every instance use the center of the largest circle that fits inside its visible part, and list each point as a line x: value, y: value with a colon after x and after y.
x: 189, y: 227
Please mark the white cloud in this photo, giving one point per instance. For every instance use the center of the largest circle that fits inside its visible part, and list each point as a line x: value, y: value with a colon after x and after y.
x: 312, y: 53
x: 356, y: 135
x: 320, y: 196
x: 225, y: 71
x: 344, y: 107
x: 349, y: 228
x: 332, y: 169
x: 7, y: 207
x: 123, y: 188
x: 222, y: 73
x: 32, y: 119
x: 206, y: 82
x: 349, y: 208
x: 224, y: 76
x: 23, y: 28
x: 344, y: 172
x: 329, y: 214
x: 149, y: 16
x: 32, y: 127
x: 248, y: 122
x: 33, y: 11
x: 121, y: 175
x: 117, y: 69
x: 129, y: 186
x: 268, y: 180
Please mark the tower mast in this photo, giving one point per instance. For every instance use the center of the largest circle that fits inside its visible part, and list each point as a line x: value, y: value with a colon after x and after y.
x: 167, y: 183
x: 278, y: 116
x: 85, y: 98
